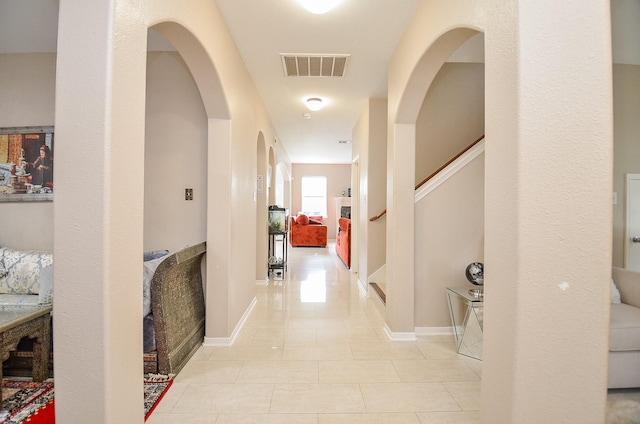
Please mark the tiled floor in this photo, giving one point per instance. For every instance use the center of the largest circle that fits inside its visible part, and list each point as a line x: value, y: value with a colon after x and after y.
x: 314, y: 351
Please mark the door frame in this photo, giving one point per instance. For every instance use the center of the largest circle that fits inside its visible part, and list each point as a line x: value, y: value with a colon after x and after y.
x: 627, y: 215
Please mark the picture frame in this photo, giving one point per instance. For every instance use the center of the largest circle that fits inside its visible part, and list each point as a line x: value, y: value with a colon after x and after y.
x: 26, y: 164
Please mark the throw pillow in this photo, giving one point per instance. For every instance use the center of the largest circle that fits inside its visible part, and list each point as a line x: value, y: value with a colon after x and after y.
x: 22, y: 270
x: 45, y: 297
x: 302, y: 219
x: 154, y: 254
x: 615, y: 293
x: 148, y: 269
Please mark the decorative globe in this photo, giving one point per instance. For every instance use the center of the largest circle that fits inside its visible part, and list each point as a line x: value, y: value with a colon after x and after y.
x: 475, y: 273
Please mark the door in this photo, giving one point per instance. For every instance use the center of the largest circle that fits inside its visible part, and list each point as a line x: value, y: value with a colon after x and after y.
x: 632, y: 228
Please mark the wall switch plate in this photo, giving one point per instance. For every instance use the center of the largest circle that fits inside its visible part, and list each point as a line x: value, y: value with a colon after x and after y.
x: 188, y: 194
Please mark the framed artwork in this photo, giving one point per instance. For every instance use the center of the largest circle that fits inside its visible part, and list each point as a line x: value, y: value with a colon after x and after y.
x: 26, y: 164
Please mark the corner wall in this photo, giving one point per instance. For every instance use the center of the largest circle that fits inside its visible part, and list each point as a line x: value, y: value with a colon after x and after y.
x: 548, y: 178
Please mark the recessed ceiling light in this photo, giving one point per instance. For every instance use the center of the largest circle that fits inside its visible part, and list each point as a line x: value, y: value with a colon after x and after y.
x: 319, y: 6
x: 314, y: 103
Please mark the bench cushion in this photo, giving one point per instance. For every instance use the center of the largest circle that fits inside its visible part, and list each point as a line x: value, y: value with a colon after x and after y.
x: 625, y: 328
x: 20, y: 270
x: 18, y: 300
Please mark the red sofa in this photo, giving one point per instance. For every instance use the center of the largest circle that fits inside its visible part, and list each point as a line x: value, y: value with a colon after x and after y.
x: 307, y: 232
x: 343, y: 241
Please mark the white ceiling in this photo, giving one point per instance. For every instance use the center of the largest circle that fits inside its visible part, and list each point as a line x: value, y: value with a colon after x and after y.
x: 367, y: 30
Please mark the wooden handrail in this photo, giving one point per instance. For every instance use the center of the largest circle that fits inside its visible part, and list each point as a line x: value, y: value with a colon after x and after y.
x: 423, y: 182
x: 377, y: 217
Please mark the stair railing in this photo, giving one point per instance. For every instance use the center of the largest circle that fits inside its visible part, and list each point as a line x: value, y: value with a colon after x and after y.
x: 423, y: 182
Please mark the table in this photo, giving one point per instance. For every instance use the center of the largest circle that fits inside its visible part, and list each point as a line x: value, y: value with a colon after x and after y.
x: 33, y: 322
x: 467, y: 320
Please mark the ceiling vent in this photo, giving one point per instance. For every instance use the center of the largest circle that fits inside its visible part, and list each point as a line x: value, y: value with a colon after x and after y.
x: 309, y: 65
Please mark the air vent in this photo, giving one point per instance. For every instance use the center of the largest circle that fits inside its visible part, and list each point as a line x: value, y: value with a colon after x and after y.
x: 309, y: 65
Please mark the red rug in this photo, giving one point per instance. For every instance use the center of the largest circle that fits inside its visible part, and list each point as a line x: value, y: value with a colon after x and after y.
x: 33, y: 403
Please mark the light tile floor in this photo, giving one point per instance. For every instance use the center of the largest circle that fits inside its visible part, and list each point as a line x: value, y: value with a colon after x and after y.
x: 314, y: 351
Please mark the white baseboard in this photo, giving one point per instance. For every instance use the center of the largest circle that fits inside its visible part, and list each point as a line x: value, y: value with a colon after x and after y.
x: 434, y: 331
x: 399, y: 336
x: 364, y: 289
x: 228, y: 341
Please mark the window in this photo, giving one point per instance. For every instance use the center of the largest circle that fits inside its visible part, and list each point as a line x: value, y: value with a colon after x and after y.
x: 314, y: 196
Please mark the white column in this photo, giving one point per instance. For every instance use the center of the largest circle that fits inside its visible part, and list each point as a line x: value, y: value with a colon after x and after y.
x: 548, y: 212
x: 400, y: 232
x: 99, y: 130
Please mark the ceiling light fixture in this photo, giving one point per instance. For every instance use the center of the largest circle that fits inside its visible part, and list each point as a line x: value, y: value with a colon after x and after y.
x: 319, y: 7
x: 314, y: 103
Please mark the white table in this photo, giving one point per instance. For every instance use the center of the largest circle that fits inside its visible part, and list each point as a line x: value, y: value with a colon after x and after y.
x: 467, y: 320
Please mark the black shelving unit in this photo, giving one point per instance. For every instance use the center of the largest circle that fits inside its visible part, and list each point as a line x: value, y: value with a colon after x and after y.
x: 277, y: 255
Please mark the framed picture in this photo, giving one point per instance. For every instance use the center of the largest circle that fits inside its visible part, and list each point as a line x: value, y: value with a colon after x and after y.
x: 26, y: 164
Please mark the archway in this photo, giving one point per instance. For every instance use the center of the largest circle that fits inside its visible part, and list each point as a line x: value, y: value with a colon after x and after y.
x: 449, y: 213
x: 400, y: 307
x: 546, y: 90
x: 99, y: 259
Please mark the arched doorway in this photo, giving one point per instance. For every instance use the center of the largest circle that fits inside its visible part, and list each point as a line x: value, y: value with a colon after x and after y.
x: 99, y: 259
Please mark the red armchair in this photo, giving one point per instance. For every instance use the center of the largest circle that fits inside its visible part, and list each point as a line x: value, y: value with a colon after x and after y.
x: 343, y: 241
x: 307, y: 232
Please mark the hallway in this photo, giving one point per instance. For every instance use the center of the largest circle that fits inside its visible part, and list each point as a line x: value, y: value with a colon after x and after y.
x: 313, y: 350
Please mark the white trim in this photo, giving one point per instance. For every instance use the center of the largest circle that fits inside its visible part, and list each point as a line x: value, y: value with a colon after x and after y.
x: 434, y: 331
x: 363, y: 289
x: 228, y: 341
x: 399, y: 336
x: 450, y: 170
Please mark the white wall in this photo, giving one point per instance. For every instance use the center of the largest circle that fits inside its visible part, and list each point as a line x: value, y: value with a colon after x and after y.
x: 175, y: 156
x: 451, y: 117
x: 370, y: 146
x: 548, y: 120
x: 27, y: 84
x: 175, y: 151
x: 449, y: 236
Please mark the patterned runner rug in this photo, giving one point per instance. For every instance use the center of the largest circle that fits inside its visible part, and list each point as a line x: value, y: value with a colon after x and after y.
x: 26, y: 401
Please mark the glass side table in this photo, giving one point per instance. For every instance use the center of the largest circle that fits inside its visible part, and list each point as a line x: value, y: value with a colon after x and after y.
x: 467, y: 321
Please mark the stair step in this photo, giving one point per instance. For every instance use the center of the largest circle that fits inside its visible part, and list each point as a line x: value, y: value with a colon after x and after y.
x: 376, y: 288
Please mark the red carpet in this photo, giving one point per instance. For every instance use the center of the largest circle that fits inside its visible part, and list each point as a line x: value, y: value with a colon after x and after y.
x: 33, y: 403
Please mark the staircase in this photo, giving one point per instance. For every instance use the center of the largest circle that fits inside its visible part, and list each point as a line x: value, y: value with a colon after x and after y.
x: 377, y: 280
